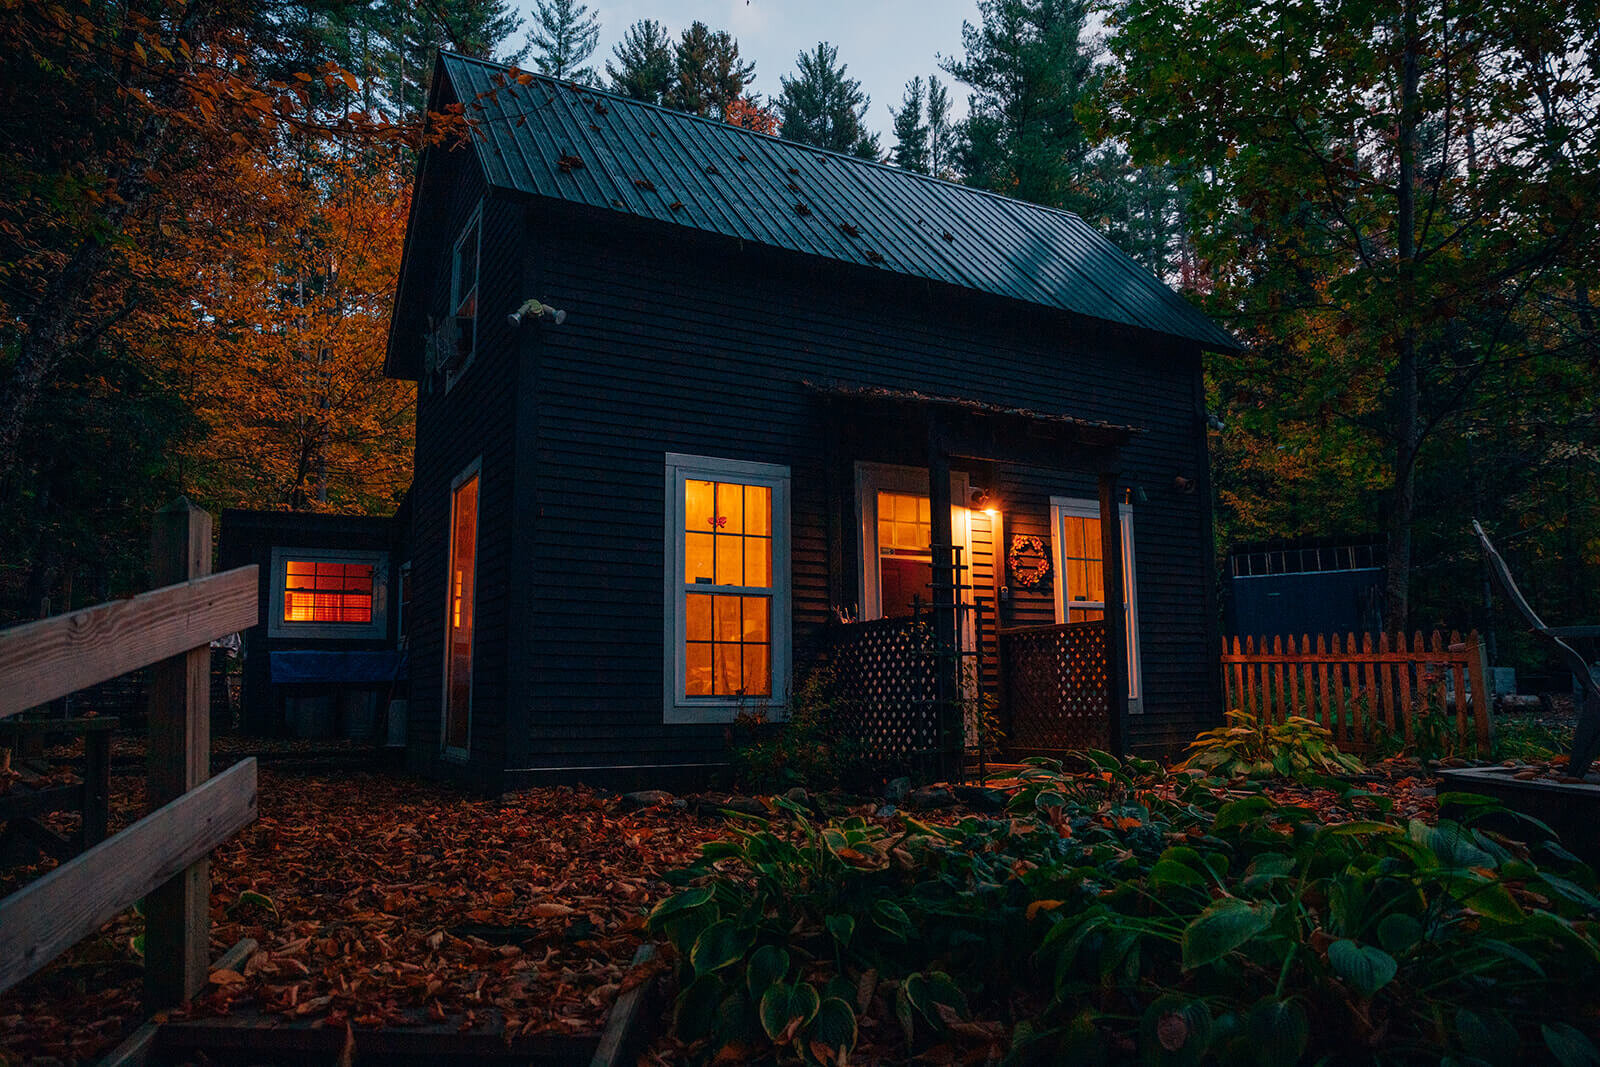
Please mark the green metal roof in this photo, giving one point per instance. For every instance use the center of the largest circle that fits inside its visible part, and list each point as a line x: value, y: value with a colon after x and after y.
x: 553, y: 139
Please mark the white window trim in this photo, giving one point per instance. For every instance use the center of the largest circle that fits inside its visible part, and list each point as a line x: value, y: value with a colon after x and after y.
x: 377, y: 629
x: 1082, y: 507
x: 678, y: 707
x: 474, y: 225
x: 892, y: 478
x: 461, y: 752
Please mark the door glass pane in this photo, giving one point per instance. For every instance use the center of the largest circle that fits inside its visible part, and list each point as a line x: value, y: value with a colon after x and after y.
x: 462, y: 592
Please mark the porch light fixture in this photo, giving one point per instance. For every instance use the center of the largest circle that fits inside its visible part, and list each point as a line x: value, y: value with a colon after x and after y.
x: 533, y: 309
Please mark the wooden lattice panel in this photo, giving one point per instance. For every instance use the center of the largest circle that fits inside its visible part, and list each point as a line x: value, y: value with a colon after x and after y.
x: 1056, y: 687
x: 886, y: 673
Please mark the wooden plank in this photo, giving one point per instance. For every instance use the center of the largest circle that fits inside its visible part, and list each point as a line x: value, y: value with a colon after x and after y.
x: 1459, y: 677
x: 1276, y: 714
x: 235, y: 957
x: 50, y: 915
x: 1321, y: 669
x: 624, y: 1035
x: 136, y: 1050
x: 1367, y: 705
x: 1250, y: 678
x: 178, y: 914
x: 1292, y: 669
x: 1402, y: 674
x: 1477, y: 670
x: 1342, y: 735
x: 42, y: 661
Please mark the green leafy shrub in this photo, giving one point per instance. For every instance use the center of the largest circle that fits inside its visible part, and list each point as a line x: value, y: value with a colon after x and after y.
x: 1529, y: 741
x: 806, y: 750
x: 1125, y: 913
x: 1252, y: 747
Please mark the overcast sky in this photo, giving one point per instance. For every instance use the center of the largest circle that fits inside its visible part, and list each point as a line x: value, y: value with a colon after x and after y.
x: 884, y: 43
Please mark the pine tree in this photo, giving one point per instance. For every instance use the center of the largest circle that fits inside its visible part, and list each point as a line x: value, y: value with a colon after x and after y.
x: 824, y: 107
x: 709, y: 75
x: 645, y: 66
x: 910, y: 150
x: 1028, y: 65
x: 564, y: 35
x: 941, y: 131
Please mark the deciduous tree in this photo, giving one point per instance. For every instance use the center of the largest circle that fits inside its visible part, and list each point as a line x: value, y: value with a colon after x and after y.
x: 1399, y: 214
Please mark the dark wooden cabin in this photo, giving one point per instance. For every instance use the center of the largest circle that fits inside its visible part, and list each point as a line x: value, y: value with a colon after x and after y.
x: 786, y: 388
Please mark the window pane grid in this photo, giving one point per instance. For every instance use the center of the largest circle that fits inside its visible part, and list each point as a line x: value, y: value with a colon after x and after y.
x: 728, y: 641
x: 727, y: 537
x: 727, y: 560
x: 316, y: 591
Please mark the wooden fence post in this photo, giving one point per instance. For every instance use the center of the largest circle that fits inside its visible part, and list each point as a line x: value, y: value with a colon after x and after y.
x: 177, y: 914
x: 1482, y: 699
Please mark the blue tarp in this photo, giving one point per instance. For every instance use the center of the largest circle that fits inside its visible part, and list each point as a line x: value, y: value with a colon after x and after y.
x: 307, y: 667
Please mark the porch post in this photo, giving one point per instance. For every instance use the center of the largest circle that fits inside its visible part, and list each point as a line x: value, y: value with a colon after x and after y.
x: 1116, y: 625
x: 943, y: 592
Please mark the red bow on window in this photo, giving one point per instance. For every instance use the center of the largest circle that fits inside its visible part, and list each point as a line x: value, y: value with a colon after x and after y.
x: 718, y: 521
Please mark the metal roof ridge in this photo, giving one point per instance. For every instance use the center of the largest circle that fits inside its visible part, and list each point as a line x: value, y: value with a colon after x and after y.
x: 930, y: 178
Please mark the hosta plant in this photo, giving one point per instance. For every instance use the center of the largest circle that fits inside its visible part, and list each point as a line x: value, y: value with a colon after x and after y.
x: 1251, y: 747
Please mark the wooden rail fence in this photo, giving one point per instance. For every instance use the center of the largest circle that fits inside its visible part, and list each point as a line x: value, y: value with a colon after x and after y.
x: 1363, y: 690
x: 162, y: 857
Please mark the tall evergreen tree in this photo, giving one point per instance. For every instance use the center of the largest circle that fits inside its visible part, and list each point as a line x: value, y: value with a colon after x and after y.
x: 645, y: 66
x: 822, y: 106
x: 563, y: 37
x: 942, y: 132
x: 1028, y: 64
x: 709, y: 76
x: 910, y: 151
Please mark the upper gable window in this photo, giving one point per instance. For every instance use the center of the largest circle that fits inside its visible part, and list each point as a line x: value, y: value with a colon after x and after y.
x: 464, y: 297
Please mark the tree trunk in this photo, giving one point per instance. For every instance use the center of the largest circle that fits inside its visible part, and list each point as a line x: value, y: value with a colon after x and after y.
x: 1406, y: 422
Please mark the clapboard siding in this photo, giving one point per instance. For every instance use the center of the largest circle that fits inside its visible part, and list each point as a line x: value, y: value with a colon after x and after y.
x: 678, y: 342
x: 474, y: 421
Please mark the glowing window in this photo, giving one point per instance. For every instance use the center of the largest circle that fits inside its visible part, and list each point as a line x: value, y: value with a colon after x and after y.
x: 727, y: 544
x: 319, y: 591
x: 728, y: 587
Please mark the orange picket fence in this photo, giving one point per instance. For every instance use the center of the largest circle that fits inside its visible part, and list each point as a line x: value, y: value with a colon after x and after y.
x: 1362, y: 690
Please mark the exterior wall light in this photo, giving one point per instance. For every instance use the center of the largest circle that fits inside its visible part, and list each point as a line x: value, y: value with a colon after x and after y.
x: 533, y: 309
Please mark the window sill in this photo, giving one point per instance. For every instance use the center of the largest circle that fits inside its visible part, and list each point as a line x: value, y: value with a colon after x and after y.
x: 723, y: 714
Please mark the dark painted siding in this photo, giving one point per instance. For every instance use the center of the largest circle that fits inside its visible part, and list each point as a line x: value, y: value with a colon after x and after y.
x: 473, y: 421
x: 684, y: 343
x: 248, y: 537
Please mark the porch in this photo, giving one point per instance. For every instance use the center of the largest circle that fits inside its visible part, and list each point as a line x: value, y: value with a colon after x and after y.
x: 1050, y: 695
x: 952, y: 644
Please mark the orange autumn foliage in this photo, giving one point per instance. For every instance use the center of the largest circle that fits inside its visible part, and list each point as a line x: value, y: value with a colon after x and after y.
x: 293, y: 265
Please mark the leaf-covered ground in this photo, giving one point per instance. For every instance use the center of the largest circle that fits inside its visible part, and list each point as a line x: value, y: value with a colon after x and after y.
x: 383, y: 901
